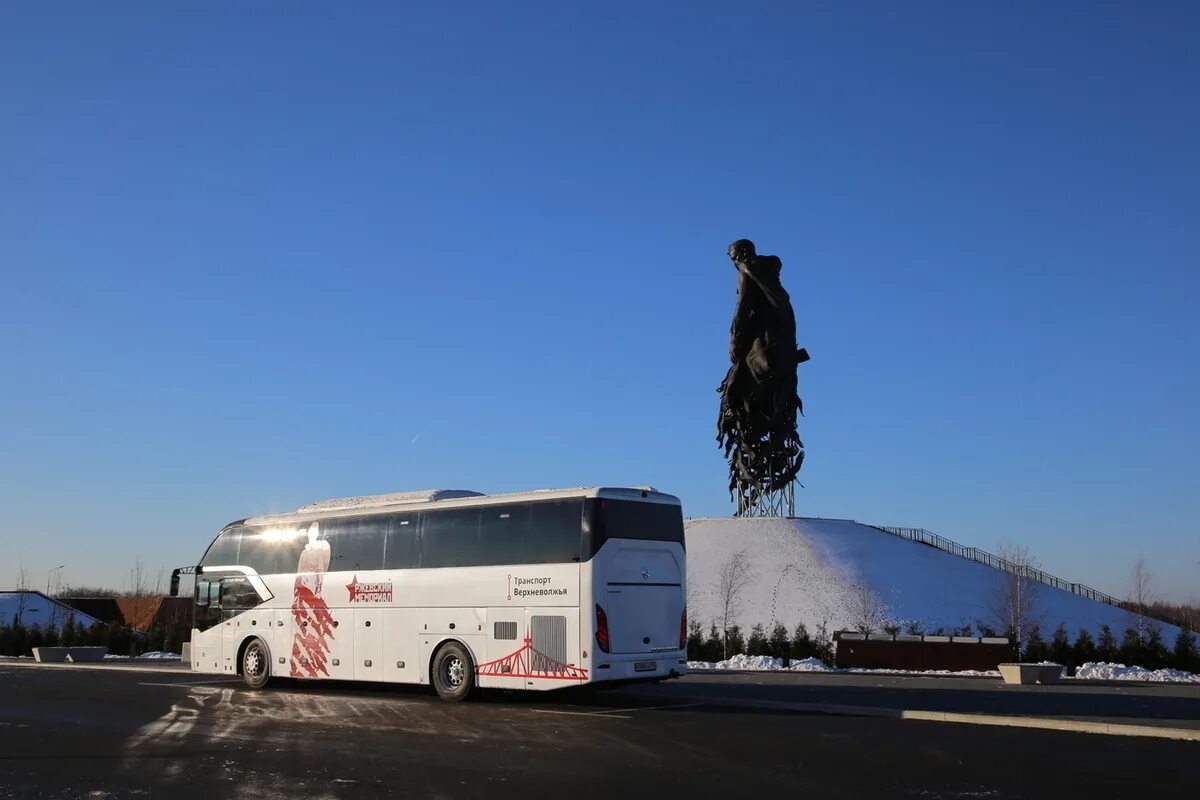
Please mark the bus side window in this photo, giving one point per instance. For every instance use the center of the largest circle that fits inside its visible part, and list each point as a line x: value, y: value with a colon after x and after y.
x: 208, y: 605
x: 237, y: 595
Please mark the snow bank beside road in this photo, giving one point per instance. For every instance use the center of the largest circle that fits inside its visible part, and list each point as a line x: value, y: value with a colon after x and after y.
x: 1097, y: 670
x: 1089, y: 671
x: 762, y: 664
x: 152, y: 656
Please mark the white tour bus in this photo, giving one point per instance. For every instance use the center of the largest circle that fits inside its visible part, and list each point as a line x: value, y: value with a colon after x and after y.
x: 518, y: 591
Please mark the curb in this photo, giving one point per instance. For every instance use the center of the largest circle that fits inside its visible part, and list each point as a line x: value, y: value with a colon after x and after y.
x: 992, y: 720
x: 122, y: 667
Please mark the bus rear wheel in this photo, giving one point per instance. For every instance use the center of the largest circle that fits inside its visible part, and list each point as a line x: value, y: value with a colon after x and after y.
x: 256, y: 665
x: 453, y: 673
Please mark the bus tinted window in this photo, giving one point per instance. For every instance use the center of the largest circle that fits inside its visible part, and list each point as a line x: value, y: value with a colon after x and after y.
x: 629, y: 519
x: 403, y: 548
x: 450, y: 538
x: 522, y: 533
x: 502, y: 532
x: 224, y: 551
x: 356, y: 543
x: 554, y: 532
x: 270, y: 551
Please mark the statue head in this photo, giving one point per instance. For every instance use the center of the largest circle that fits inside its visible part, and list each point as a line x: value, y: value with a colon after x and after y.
x: 741, y: 250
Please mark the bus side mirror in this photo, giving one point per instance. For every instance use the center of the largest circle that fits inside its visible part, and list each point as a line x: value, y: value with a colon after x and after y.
x: 175, y: 582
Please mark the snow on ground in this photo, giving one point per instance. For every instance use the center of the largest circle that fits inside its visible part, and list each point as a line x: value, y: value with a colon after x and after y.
x: 1094, y: 670
x: 153, y: 655
x: 814, y: 571
x: 1089, y: 671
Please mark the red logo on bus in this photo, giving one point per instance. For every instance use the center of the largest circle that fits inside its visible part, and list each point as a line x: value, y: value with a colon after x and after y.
x: 380, y: 592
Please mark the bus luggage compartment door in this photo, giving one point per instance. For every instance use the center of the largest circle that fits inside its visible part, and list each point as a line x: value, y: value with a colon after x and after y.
x: 368, y: 645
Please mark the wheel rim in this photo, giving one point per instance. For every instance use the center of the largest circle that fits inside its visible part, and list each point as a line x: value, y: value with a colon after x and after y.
x: 254, y: 663
x: 454, y: 671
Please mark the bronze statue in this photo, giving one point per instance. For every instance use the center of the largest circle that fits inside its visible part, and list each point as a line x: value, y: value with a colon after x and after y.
x: 759, y: 403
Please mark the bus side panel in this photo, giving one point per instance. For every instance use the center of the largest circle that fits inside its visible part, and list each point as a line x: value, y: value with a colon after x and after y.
x: 554, y: 658
x: 206, y: 650
x: 400, y: 638
x: 281, y: 641
x: 368, y: 643
x: 505, y: 632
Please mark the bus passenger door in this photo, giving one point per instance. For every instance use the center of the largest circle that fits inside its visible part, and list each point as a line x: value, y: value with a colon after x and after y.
x: 368, y: 644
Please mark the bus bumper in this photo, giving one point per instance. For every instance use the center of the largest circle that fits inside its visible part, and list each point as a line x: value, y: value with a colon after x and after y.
x: 651, y: 666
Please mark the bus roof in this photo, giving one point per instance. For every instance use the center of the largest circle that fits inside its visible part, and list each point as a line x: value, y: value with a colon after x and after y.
x: 379, y: 503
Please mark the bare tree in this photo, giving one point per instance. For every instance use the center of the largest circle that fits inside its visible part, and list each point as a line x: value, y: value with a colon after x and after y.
x: 22, y: 588
x: 867, y: 609
x: 1141, y: 595
x: 1014, y: 601
x: 87, y: 591
x: 732, y: 581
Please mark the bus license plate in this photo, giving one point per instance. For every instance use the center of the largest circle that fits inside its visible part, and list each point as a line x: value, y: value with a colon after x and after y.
x: 645, y: 666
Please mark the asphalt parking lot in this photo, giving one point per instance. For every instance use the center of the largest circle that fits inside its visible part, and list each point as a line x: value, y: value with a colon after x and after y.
x: 169, y: 733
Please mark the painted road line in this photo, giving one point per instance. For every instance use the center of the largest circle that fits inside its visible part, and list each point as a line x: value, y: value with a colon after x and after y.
x: 614, y: 713
x: 648, y: 708
x: 967, y: 718
x: 596, y: 714
x: 190, y: 684
x: 1056, y: 724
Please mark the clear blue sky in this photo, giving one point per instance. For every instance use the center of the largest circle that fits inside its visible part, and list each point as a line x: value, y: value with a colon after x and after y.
x: 253, y: 255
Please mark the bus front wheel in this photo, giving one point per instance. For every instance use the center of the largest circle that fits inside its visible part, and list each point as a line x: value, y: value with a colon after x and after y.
x: 256, y: 665
x: 453, y: 672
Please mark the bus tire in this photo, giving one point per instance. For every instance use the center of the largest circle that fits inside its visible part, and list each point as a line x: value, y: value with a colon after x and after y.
x: 256, y: 664
x: 453, y: 674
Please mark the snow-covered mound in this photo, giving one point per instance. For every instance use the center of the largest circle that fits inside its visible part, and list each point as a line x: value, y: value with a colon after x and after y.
x: 1094, y: 670
x: 836, y: 572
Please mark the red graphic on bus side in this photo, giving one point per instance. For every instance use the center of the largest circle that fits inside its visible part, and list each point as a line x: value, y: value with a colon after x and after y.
x: 310, y: 613
x: 530, y: 663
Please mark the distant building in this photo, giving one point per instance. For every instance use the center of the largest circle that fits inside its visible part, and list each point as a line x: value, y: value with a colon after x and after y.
x: 104, y: 609
x: 34, y: 608
x: 139, y: 613
x: 144, y: 613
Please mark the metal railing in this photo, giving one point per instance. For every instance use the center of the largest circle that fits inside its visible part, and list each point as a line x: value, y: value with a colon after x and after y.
x: 983, y: 557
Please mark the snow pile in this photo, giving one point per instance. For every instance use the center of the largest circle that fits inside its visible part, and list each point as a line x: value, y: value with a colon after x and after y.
x: 840, y: 573
x: 962, y: 673
x: 1098, y: 670
x: 746, y: 663
x: 154, y: 655
x: 761, y: 664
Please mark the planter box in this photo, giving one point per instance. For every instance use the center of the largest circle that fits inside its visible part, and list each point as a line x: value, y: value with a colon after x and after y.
x: 50, y: 655
x: 1027, y: 674
x: 87, y: 654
